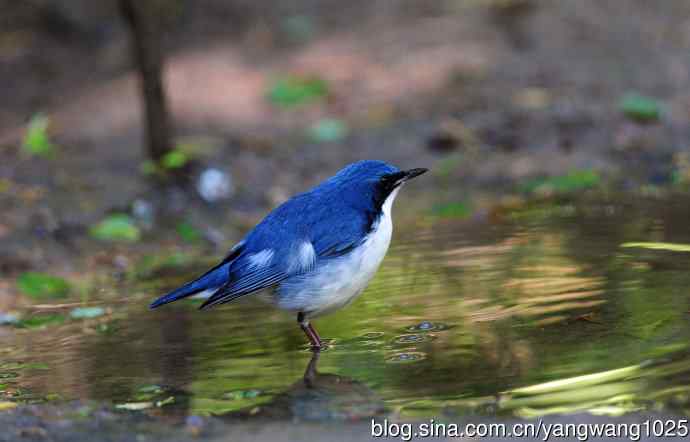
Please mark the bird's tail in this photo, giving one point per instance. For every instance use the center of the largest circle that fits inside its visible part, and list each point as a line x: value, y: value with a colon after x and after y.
x: 211, y: 280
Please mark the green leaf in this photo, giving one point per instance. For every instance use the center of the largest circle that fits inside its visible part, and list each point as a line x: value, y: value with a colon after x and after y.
x: 188, y: 232
x: 659, y: 246
x: 36, y: 140
x: 174, y: 160
x: 87, y: 312
x: 640, y: 108
x: 453, y: 210
x: 116, y: 227
x: 328, y: 130
x: 296, y: 90
x: 41, y: 286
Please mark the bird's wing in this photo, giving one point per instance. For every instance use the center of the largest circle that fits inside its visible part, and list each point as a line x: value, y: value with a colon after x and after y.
x: 341, y: 233
x: 268, y: 256
x: 290, y: 241
x: 244, y: 282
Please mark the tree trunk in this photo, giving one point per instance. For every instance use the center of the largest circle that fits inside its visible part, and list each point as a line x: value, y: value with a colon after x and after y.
x: 145, y: 28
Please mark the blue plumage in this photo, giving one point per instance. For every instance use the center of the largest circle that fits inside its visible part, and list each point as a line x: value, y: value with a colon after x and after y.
x: 299, y: 248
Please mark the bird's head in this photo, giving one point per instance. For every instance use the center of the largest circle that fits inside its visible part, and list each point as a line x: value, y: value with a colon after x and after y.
x: 375, y: 178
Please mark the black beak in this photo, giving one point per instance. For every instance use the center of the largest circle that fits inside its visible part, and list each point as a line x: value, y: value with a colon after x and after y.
x: 409, y: 174
x: 396, y: 179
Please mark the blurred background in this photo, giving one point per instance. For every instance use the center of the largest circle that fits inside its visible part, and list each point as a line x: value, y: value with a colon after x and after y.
x: 260, y: 100
x: 145, y: 138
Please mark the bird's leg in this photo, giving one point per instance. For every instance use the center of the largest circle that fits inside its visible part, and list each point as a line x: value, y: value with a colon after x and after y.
x: 309, y: 330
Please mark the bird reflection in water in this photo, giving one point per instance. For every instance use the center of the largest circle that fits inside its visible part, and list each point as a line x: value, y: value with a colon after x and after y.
x: 319, y: 397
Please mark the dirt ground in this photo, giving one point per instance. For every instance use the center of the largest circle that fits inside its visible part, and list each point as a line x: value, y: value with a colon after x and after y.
x: 485, y: 92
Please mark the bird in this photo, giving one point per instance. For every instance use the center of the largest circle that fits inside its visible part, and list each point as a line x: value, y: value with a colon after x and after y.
x: 313, y: 254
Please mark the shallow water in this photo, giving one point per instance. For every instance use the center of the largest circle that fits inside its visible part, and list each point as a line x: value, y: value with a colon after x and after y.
x: 524, y: 311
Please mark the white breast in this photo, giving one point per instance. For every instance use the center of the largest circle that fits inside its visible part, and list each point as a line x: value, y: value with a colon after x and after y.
x: 338, y: 283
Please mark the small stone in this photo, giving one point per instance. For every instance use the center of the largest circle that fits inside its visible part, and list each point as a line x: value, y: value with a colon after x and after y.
x: 214, y: 185
x: 8, y: 318
x: 143, y: 211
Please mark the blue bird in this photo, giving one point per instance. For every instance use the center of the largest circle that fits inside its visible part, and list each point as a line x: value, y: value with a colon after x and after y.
x: 314, y: 253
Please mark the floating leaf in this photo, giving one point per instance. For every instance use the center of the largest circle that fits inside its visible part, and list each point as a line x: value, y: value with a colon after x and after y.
x: 295, y: 90
x: 328, y: 130
x: 41, y: 286
x: 116, y: 227
x: 151, y: 389
x: 134, y: 406
x: 453, y: 210
x: 174, y: 160
x: 7, y: 406
x: 87, y: 312
x: 167, y: 401
x: 36, y: 140
x: 188, y: 232
x: 640, y: 108
x: 578, y: 382
x: 659, y: 246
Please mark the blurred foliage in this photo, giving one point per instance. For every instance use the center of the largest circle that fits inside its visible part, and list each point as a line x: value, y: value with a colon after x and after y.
x: 188, y: 232
x: 41, y: 286
x: 446, y: 166
x: 328, y: 130
x: 116, y: 227
x: 42, y: 320
x: 179, y: 157
x: 36, y: 139
x: 296, y: 90
x: 150, y: 265
x: 175, y: 159
x: 640, y: 108
x: 459, y: 209
x: 573, y: 181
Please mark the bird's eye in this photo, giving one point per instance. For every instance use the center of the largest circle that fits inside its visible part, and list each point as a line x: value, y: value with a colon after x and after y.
x: 392, y: 180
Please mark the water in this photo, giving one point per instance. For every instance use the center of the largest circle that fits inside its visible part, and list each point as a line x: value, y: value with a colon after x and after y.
x: 520, y: 312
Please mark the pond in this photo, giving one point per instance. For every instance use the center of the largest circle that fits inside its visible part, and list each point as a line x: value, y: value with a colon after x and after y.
x: 555, y: 306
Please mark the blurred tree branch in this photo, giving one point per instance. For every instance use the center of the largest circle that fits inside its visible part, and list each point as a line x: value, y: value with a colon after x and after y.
x: 145, y: 19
